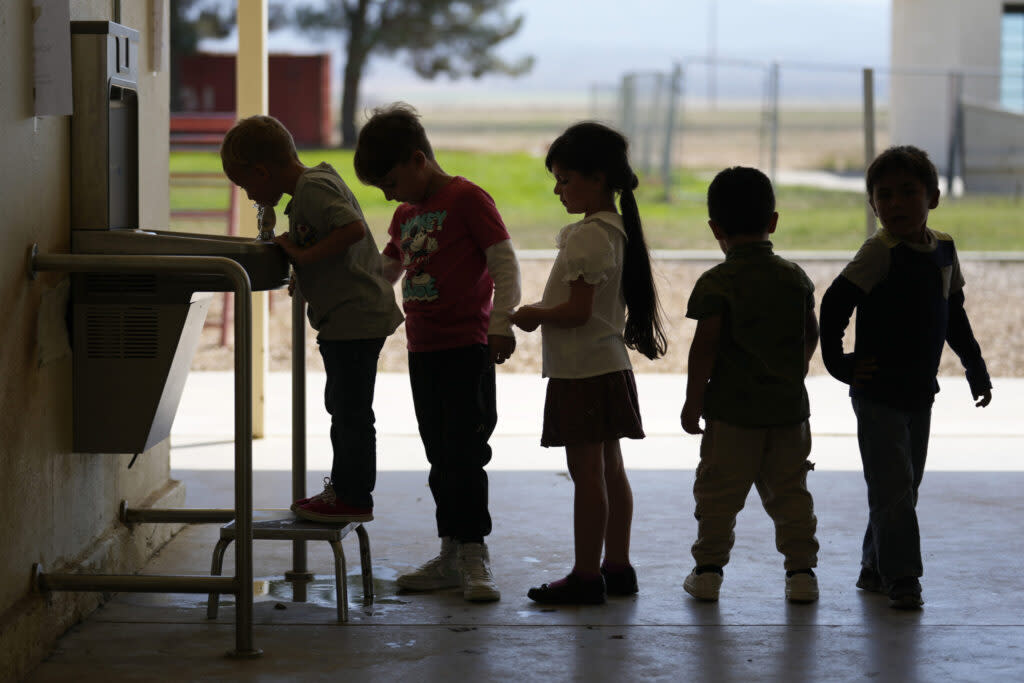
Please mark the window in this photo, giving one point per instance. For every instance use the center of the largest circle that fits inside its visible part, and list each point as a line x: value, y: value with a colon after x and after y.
x: 1011, y: 85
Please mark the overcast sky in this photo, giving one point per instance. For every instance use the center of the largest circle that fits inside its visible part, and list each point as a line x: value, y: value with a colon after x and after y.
x: 577, y: 43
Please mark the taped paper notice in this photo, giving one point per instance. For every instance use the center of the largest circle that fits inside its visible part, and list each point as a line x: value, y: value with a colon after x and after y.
x: 51, y: 57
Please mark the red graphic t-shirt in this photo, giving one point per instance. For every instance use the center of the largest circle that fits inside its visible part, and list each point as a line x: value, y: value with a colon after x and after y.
x: 446, y: 290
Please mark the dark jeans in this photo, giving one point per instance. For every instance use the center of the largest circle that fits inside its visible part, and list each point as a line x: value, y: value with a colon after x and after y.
x: 893, y: 449
x: 351, y: 374
x: 454, y: 394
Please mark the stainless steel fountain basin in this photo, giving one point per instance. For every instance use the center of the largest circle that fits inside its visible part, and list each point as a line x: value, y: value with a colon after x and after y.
x: 265, y: 262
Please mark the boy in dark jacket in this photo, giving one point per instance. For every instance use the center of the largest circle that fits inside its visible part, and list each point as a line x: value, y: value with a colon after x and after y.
x: 906, y: 286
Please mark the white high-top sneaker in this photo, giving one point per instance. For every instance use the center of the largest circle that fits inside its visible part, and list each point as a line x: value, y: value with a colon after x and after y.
x: 474, y: 566
x: 440, y: 572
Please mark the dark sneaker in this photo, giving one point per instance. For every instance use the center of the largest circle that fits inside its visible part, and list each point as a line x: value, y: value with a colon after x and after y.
x: 870, y: 581
x: 328, y: 509
x: 905, y: 593
x: 572, y: 590
x: 621, y: 582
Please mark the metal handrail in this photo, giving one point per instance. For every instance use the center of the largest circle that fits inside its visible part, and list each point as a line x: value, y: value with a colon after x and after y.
x: 241, y: 583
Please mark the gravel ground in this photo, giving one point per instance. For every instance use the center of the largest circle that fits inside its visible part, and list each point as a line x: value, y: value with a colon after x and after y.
x: 995, y: 304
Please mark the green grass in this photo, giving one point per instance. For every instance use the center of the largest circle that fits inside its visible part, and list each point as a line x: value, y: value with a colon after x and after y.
x: 522, y: 188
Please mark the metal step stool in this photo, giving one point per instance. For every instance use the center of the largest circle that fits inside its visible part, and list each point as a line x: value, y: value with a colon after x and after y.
x: 283, y: 525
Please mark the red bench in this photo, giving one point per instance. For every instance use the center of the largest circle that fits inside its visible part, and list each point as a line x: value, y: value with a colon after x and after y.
x: 199, y: 130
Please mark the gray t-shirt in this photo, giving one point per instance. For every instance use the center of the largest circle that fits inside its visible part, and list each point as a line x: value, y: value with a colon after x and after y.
x: 348, y: 297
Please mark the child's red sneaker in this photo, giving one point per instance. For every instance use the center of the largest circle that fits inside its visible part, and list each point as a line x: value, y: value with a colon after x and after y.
x: 326, y: 508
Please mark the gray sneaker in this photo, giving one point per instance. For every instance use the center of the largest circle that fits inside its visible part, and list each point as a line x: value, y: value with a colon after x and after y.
x: 474, y: 566
x: 703, y: 585
x: 802, y: 587
x: 440, y: 572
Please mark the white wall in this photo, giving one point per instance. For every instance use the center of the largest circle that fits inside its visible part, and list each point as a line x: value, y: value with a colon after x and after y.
x: 929, y: 39
x: 56, y: 507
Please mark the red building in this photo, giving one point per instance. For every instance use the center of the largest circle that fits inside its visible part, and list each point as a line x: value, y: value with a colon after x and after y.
x: 299, y: 95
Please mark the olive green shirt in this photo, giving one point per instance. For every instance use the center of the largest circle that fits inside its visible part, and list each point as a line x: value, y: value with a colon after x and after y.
x: 348, y: 296
x: 758, y: 375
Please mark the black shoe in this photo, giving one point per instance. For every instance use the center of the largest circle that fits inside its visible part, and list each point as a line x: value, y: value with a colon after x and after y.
x: 575, y: 591
x: 871, y: 581
x: 905, y: 593
x: 620, y: 583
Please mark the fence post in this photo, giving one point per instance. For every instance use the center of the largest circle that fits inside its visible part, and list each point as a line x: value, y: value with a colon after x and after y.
x: 674, y: 90
x: 628, y: 105
x: 649, y: 123
x: 869, y: 140
x: 956, y: 92
x: 774, y: 139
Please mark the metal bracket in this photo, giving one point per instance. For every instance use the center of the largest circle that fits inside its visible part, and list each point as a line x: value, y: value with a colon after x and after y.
x: 33, y: 251
x: 38, y: 585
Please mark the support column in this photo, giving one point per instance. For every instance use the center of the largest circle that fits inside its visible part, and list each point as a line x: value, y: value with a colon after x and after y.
x: 251, y: 98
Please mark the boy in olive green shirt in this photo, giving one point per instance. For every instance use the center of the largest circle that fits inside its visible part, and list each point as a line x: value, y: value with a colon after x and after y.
x: 350, y: 304
x: 756, y: 332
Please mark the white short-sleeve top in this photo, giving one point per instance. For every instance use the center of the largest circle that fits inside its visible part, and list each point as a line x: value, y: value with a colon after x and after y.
x: 592, y: 249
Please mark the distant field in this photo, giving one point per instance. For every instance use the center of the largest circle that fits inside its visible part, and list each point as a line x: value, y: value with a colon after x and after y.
x: 522, y: 188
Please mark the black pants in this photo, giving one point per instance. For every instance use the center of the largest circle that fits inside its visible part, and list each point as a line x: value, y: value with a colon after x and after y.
x: 351, y: 368
x: 454, y: 394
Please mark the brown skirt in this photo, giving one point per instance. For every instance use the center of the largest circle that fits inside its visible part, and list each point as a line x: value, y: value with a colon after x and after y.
x: 591, y: 410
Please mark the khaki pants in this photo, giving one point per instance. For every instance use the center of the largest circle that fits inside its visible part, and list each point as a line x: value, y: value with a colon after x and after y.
x: 774, y: 459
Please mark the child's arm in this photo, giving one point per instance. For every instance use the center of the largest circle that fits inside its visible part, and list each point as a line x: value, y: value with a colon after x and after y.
x: 504, y: 271
x: 811, y: 336
x: 837, y: 306
x: 390, y: 268
x: 333, y: 244
x: 961, y: 339
x: 703, y: 352
x: 573, y: 312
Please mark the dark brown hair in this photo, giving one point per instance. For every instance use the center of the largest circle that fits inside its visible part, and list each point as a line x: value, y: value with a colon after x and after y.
x: 907, y: 158
x: 590, y: 148
x: 391, y: 136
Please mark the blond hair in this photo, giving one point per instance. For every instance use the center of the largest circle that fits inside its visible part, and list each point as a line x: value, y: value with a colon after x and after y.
x: 256, y: 140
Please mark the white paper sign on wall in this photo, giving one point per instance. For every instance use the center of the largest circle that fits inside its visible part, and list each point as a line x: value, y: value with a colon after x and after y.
x: 51, y: 57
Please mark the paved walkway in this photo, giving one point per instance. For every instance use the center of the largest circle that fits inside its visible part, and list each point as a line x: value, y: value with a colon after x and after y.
x: 971, y: 628
x: 963, y: 437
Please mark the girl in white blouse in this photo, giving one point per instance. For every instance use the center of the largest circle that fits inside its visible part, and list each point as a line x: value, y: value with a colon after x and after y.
x: 599, y: 300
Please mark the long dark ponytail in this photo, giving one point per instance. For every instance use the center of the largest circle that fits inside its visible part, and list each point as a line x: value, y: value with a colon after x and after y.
x: 589, y: 148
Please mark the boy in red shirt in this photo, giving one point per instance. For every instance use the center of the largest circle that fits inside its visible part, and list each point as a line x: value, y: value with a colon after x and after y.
x: 452, y: 246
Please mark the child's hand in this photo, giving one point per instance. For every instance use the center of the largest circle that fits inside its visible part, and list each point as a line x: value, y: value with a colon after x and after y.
x: 527, y: 318
x: 291, y: 284
x: 863, y: 370
x: 285, y: 242
x: 982, y: 399
x: 690, y: 418
x: 501, y: 347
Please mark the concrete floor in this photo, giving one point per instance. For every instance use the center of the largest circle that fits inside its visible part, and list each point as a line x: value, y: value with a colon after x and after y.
x: 971, y: 629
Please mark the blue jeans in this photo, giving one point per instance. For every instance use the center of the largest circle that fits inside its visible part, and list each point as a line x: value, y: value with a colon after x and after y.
x: 351, y: 368
x: 893, y: 448
x: 453, y: 392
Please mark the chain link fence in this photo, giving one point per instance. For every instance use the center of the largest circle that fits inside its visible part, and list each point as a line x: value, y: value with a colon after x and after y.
x: 815, y: 123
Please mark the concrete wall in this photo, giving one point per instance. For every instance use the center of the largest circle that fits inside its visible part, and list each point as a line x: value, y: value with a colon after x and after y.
x: 994, y: 143
x: 929, y: 39
x: 59, y: 508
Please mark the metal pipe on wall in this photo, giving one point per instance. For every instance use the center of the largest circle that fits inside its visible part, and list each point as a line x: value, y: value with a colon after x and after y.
x: 300, y: 574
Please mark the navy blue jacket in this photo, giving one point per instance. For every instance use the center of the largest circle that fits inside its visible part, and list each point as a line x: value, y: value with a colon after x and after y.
x: 909, y: 302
